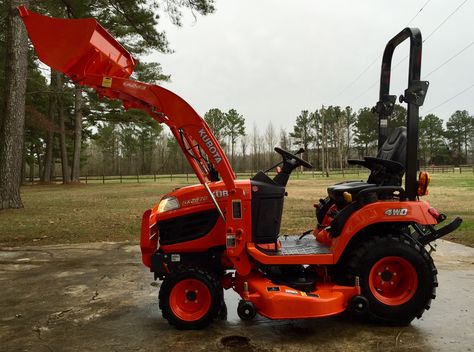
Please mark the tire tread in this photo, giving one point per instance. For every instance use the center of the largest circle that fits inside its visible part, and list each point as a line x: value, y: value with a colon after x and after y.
x: 163, y: 297
x: 352, y: 263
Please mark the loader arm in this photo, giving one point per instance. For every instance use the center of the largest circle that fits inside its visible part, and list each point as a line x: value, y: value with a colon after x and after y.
x: 194, y: 136
x: 85, y: 52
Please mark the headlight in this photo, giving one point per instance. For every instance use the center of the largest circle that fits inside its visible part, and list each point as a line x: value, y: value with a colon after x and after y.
x: 168, y: 203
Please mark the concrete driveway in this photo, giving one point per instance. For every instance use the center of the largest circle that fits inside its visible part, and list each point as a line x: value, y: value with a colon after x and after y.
x: 99, y: 297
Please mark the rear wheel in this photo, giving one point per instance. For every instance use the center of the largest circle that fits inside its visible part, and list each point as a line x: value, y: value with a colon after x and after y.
x: 190, y: 299
x: 396, y: 275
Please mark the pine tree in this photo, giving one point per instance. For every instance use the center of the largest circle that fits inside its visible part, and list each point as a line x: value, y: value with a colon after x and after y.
x: 302, y: 131
x: 234, y: 127
x: 13, y: 120
x: 366, y: 130
x: 216, y: 121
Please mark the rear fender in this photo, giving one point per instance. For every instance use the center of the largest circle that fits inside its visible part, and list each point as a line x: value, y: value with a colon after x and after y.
x: 381, y: 212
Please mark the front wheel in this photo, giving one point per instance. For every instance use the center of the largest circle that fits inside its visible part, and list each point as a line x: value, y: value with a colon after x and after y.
x: 396, y: 275
x: 190, y: 299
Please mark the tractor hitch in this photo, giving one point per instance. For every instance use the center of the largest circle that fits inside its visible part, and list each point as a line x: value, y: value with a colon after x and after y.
x: 443, y: 231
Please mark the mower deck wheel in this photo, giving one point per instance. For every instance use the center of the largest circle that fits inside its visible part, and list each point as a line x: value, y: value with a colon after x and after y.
x: 246, y: 310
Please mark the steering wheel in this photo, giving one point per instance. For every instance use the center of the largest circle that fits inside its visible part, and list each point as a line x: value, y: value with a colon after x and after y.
x: 287, y: 156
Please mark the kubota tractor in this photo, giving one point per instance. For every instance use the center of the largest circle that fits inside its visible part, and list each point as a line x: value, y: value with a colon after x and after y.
x: 366, y: 254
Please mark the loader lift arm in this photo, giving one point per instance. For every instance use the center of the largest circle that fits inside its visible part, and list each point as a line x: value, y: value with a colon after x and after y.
x: 195, y: 138
x: 85, y: 52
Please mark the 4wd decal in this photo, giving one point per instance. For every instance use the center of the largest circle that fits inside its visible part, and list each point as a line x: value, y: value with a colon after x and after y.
x: 212, y: 148
x: 396, y: 212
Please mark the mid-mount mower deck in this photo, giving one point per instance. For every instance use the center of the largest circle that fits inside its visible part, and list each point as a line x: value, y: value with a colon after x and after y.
x: 366, y: 254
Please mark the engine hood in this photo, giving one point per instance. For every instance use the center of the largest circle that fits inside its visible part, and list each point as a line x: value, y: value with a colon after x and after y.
x: 196, y: 196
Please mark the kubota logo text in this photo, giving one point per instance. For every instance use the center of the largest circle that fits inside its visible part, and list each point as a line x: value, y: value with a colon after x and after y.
x: 212, y: 148
x: 396, y: 212
x: 134, y: 85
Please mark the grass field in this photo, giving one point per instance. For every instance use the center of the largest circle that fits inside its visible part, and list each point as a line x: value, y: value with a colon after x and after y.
x: 112, y: 212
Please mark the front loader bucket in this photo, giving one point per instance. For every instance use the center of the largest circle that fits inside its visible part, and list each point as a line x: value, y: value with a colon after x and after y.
x: 77, y: 47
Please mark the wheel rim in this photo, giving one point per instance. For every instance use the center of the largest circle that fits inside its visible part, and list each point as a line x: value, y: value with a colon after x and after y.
x: 190, y: 300
x: 393, y: 280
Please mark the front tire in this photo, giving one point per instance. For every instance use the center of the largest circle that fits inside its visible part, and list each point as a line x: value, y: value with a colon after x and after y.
x: 397, y: 276
x: 190, y: 299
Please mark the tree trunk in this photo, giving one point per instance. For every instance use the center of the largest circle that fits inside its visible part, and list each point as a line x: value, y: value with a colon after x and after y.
x: 48, y: 157
x: 52, y: 109
x: 31, y: 165
x: 244, y: 155
x: 325, y: 154
x: 323, y: 158
x: 318, y: 157
x: 143, y: 151
x: 232, y: 142
x: 348, y: 150
x: 115, y: 154
x: 39, y: 161
x: 76, y: 159
x: 466, y: 144
x: 13, y: 126
x: 62, y: 130
x: 23, y: 164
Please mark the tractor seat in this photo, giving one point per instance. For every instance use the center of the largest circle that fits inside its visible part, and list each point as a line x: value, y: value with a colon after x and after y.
x: 336, y: 192
x: 386, y: 169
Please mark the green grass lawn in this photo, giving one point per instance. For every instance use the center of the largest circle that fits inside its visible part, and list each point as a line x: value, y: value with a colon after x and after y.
x: 112, y: 211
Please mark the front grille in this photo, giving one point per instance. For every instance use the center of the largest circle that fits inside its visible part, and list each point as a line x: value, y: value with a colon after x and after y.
x: 187, y: 227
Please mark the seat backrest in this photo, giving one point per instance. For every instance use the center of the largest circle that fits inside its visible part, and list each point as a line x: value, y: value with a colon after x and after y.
x: 393, y: 150
x: 395, y: 147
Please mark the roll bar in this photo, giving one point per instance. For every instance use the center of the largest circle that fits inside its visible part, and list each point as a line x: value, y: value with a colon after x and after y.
x: 414, y: 96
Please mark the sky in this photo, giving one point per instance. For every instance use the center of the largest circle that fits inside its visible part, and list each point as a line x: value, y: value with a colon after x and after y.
x: 270, y: 59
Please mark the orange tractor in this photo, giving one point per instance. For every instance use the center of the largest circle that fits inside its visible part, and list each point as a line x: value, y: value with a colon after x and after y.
x: 366, y: 253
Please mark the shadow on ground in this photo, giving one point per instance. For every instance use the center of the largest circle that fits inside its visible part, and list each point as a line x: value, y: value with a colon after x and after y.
x: 99, y: 297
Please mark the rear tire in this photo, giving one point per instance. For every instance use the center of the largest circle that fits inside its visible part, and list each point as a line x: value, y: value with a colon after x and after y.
x: 190, y: 299
x: 397, y: 276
